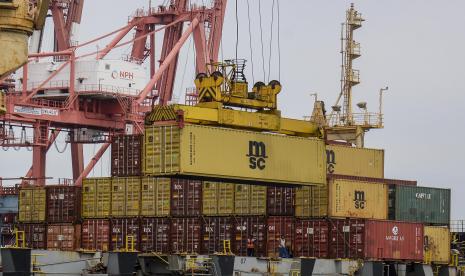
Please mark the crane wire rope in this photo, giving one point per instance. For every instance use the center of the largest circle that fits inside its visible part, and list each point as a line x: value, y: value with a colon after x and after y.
x: 271, y: 41
x: 237, y: 30
x: 261, y: 37
x: 177, y: 95
x: 250, y: 40
x: 279, y: 44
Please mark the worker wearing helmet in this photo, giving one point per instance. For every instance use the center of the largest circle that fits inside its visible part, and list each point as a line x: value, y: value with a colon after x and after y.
x: 250, y: 246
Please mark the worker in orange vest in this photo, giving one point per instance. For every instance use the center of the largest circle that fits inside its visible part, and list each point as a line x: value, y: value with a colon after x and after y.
x: 250, y: 246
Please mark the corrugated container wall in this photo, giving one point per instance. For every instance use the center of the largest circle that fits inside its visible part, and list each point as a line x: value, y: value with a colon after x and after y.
x: 277, y: 227
x: 311, y: 238
x: 356, y: 199
x: 280, y: 201
x: 311, y: 201
x: 245, y: 227
x: 95, y: 234
x: 347, y: 238
x: 186, y: 197
x: 125, y: 195
x: 126, y: 155
x: 185, y: 235
x: 121, y: 229
x: 437, y: 244
x: 96, y: 197
x: 156, y: 197
x: 249, y: 200
x: 64, y: 237
x: 155, y: 235
x: 32, y: 202
x: 35, y: 234
x: 63, y: 204
x: 251, y: 156
x: 217, y: 198
x: 215, y: 231
x: 355, y: 161
x: 420, y: 204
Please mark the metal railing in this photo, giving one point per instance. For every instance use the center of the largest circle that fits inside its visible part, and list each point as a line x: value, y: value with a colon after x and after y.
x: 457, y: 226
x: 366, y: 119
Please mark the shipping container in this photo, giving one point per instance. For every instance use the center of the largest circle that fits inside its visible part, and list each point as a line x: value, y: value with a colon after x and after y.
x: 95, y: 234
x: 278, y: 227
x: 155, y: 235
x: 156, y: 197
x: 96, y: 197
x: 437, y: 244
x: 7, y: 235
x: 311, y: 201
x: 311, y: 238
x: 217, y: 198
x: 64, y: 237
x: 250, y: 199
x: 32, y: 202
x: 126, y: 155
x: 251, y: 156
x: 356, y: 199
x: 121, y: 229
x: 35, y: 234
x: 246, y: 227
x: 419, y: 204
x: 185, y: 235
x: 355, y: 161
x: 386, y: 181
x: 216, y: 230
x: 8, y: 218
x: 280, y: 201
x: 376, y: 240
x: 125, y: 196
x: 186, y: 197
x: 63, y: 204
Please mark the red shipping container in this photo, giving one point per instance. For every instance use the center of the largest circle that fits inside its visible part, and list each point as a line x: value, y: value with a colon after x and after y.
x: 126, y: 155
x: 121, y: 228
x: 311, y: 238
x: 186, y: 197
x: 63, y: 204
x: 215, y: 231
x: 347, y: 238
x: 35, y: 234
x: 8, y: 218
x: 155, y: 235
x: 280, y: 201
x: 65, y: 237
x: 96, y: 234
x: 277, y: 227
x: 246, y: 227
x: 185, y: 235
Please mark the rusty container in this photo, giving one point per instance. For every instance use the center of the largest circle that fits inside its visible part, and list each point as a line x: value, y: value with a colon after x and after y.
x: 95, y: 234
x: 280, y: 201
x: 245, y: 227
x: 277, y: 227
x: 186, y: 197
x: 63, y: 204
x: 64, y: 237
x: 185, y: 235
x: 126, y: 155
x: 354, y: 161
x: 35, y: 234
x: 311, y: 238
x: 216, y: 230
x: 347, y: 238
x: 155, y: 235
x: 124, y: 234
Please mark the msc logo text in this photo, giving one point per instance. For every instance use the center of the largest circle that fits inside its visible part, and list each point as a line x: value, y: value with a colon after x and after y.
x: 359, y: 199
x: 330, y: 161
x: 257, y: 155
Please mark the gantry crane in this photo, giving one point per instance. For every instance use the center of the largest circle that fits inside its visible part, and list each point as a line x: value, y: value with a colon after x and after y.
x: 96, y: 108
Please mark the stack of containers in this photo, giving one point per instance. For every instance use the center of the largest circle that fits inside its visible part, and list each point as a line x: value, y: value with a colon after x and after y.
x: 8, y: 214
x: 32, y: 216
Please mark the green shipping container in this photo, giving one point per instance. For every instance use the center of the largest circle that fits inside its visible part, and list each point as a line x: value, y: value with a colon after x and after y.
x: 419, y: 204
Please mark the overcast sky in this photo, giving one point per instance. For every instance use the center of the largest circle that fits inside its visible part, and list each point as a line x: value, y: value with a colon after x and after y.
x: 416, y: 47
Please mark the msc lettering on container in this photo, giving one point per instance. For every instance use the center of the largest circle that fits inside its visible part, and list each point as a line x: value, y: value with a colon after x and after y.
x: 257, y: 155
x: 330, y: 160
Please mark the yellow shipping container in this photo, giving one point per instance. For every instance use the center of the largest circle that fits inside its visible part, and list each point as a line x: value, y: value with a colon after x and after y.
x: 217, y: 198
x: 233, y: 154
x: 437, y: 244
x: 249, y: 199
x: 32, y: 204
x: 156, y: 194
x: 96, y: 197
x: 118, y: 196
x: 357, y: 199
x: 311, y: 201
x: 125, y: 196
x: 355, y: 161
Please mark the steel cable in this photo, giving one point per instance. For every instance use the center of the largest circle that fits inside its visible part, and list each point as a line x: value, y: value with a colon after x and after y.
x: 261, y: 37
x: 250, y: 41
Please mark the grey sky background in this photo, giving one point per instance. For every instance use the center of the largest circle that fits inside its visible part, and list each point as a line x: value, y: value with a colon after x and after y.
x: 416, y: 47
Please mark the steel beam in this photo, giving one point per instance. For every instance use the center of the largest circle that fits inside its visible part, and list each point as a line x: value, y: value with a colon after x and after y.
x: 92, y: 163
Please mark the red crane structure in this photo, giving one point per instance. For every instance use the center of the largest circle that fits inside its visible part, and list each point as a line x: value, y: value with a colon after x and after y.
x: 104, y: 109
